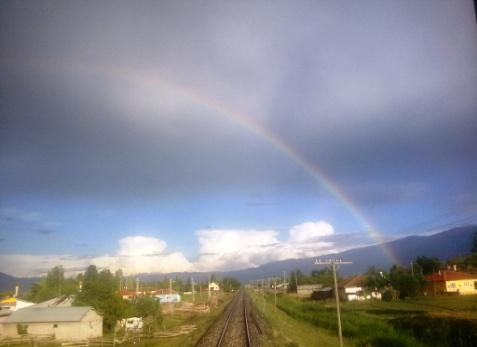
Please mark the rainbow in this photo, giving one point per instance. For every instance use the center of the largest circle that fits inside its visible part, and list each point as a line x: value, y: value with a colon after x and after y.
x: 254, y: 127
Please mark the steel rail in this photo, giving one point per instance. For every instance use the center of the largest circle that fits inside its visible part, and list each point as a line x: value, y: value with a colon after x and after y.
x: 226, y: 325
x: 247, y: 330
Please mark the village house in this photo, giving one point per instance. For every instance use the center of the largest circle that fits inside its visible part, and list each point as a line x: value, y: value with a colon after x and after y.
x: 128, y: 294
x: 305, y: 290
x: 167, y: 296
x: 63, y: 323
x: 353, y: 289
x: 214, y: 286
x: 451, y: 282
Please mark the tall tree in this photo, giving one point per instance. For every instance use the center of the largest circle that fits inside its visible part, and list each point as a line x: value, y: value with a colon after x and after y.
x: 428, y: 265
x: 52, y: 285
x: 376, y: 279
x: 100, y: 291
x: 474, y: 243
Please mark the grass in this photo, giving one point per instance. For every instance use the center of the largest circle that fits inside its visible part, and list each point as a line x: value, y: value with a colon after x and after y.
x: 170, y: 321
x: 439, y: 321
x: 286, y: 331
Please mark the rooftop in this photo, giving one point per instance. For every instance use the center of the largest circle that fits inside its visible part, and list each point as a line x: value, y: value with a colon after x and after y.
x: 48, y: 314
x: 445, y: 275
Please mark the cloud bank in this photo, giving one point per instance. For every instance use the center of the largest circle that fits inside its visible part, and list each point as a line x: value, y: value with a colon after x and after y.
x: 220, y: 249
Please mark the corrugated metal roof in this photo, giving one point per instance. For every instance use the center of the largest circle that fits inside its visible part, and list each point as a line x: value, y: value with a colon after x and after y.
x: 48, y: 314
x: 59, y: 301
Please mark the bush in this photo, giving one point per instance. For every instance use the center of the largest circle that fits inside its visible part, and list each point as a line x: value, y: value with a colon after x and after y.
x: 439, y: 331
x: 387, y: 341
x: 387, y: 295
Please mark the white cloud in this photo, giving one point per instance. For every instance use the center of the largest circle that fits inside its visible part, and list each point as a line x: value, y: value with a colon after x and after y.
x: 220, y: 249
x: 225, y: 249
x: 310, y: 231
x: 136, y: 254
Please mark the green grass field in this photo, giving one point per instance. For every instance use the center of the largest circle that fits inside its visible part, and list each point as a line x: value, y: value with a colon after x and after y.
x: 286, y: 331
x: 436, y: 321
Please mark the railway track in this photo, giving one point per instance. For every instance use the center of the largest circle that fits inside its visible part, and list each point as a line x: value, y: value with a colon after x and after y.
x: 237, y: 326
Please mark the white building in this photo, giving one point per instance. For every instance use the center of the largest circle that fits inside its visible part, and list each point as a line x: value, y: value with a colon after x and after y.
x: 167, y: 296
x: 354, y: 289
x: 214, y: 286
x: 63, y: 323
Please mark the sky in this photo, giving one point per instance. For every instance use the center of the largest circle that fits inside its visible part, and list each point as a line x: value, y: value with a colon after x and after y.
x: 159, y: 136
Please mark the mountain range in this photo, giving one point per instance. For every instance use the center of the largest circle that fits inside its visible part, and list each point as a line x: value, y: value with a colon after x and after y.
x: 443, y: 245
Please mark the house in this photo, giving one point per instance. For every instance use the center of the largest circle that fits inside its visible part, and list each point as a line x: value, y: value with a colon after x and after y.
x: 13, y: 304
x: 63, y: 323
x: 305, y: 290
x: 128, y: 294
x: 353, y: 289
x: 322, y: 293
x: 167, y: 296
x: 214, y: 286
x: 451, y: 282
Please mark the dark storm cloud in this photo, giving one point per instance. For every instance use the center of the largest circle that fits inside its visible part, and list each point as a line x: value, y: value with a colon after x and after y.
x: 372, y: 92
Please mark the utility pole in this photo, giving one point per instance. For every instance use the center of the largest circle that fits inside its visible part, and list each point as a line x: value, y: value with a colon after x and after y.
x: 284, y: 289
x: 193, y: 289
x: 333, y: 262
x: 275, y: 290
x: 263, y: 295
x: 412, y: 269
x: 296, y: 282
x: 208, y: 286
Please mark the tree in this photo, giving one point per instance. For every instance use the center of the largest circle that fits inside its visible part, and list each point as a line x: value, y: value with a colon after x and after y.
x: 118, y: 278
x: 296, y: 277
x: 230, y: 284
x: 376, y: 279
x: 99, y: 291
x: 150, y: 310
x: 404, y: 282
x: 474, y: 243
x: 52, y: 285
x: 428, y: 265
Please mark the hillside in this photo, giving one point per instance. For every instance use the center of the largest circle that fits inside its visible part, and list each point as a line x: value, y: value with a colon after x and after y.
x: 443, y: 245
x: 8, y: 283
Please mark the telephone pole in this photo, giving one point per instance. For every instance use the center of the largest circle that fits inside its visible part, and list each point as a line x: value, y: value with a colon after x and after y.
x: 333, y: 262
x: 275, y: 290
x: 284, y: 290
x: 296, y: 282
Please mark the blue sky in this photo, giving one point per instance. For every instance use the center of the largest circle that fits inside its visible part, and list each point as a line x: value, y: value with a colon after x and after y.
x: 112, y: 152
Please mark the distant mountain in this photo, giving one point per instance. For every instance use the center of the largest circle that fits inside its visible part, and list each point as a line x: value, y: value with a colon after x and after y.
x: 8, y: 283
x: 443, y: 245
